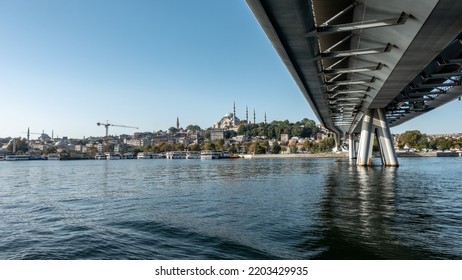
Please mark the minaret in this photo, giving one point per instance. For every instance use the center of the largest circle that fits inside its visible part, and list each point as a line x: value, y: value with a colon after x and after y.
x: 246, y: 114
x: 234, y: 113
x: 265, y: 117
x: 28, y: 134
x: 254, y: 122
x: 177, y: 123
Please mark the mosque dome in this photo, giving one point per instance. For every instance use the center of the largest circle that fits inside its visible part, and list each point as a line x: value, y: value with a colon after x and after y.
x: 60, y: 143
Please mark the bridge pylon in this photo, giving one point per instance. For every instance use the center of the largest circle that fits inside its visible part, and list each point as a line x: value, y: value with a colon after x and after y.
x: 375, y: 123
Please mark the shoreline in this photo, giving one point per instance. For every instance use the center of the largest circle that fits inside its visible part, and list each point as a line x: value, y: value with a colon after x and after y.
x: 345, y: 155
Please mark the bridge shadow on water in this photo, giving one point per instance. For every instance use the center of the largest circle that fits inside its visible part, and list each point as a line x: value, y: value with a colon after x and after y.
x: 361, y: 217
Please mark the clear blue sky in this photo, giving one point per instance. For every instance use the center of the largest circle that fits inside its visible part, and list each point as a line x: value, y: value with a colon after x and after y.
x: 65, y: 65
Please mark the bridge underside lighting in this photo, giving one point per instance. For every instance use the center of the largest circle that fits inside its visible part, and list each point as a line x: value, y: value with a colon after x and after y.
x: 333, y: 54
x: 351, y: 82
x: 353, y: 70
x: 346, y: 27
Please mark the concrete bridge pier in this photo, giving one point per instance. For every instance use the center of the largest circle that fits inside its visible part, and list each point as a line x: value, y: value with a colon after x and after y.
x: 351, y: 147
x: 375, y: 122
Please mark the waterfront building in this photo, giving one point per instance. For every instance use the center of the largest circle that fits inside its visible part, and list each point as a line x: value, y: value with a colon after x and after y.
x: 100, y: 147
x: 138, y: 142
x: 241, y: 138
x: 217, y: 134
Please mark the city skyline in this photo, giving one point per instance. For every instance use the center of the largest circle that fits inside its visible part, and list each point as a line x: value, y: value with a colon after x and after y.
x: 68, y: 65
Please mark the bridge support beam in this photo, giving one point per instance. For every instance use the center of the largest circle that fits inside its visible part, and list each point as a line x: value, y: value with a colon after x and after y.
x: 351, y: 147
x: 375, y: 122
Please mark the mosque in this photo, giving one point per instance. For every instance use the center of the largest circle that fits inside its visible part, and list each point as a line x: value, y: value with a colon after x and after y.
x: 231, y: 121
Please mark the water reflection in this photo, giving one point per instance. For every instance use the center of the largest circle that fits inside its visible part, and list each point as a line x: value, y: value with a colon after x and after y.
x: 379, y: 213
x: 356, y: 213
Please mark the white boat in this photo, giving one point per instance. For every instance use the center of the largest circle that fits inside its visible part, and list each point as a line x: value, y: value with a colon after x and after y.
x: 246, y: 156
x: 176, y: 155
x: 193, y: 155
x: 53, y: 157
x: 143, y: 156
x: 208, y: 154
x: 110, y: 156
x: 100, y: 157
x: 17, y: 157
x: 128, y: 156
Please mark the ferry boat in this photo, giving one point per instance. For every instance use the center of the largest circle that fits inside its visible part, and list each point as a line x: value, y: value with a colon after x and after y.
x: 247, y: 156
x: 100, y: 157
x: 110, y: 156
x: 17, y: 157
x: 143, y: 156
x: 193, y: 155
x: 208, y: 154
x: 176, y: 155
x: 128, y: 156
x: 53, y: 157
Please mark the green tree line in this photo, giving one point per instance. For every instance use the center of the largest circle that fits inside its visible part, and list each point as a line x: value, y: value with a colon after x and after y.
x: 414, y: 139
x: 273, y: 130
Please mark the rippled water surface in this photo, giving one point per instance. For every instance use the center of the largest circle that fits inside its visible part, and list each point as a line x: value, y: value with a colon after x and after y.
x: 231, y: 209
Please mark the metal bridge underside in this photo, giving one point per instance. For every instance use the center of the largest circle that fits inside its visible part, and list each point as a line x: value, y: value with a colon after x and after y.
x: 349, y: 57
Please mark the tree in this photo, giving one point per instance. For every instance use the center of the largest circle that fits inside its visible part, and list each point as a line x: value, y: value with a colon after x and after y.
x: 276, y: 148
x: 230, y: 134
x: 165, y: 147
x: 422, y: 144
x: 173, y: 130
x: 193, y: 127
x: 195, y: 147
x: 233, y: 149
x: 208, y: 146
x: 257, y: 148
x: 326, y: 145
x: 208, y: 134
x: 242, y: 129
x: 178, y: 147
x: 411, y: 138
x: 443, y: 144
x: 21, y: 145
x: 219, y: 144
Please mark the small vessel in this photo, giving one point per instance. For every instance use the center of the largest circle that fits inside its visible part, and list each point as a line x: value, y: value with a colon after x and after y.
x: 143, y: 155
x: 176, y: 155
x: 247, y: 156
x: 128, y: 156
x: 110, y: 156
x: 208, y: 154
x: 100, y: 157
x: 193, y: 155
x: 53, y: 157
x: 16, y: 157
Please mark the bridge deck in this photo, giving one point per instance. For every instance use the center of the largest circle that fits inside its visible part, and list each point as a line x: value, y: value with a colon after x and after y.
x: 350, y: 56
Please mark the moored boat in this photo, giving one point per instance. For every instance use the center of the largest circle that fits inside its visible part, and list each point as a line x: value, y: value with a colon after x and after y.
x: 208, y: 154
x: 193, y: 155
x: 143, y: 155
x: 16, y: 157
x: 176, y: 155
x: 110, y: 156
